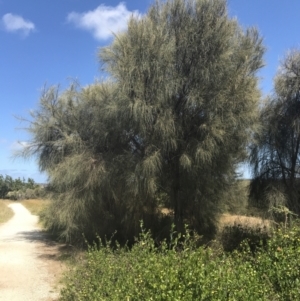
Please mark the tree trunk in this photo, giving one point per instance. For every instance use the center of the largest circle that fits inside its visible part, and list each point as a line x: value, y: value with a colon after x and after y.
x: 176, y: 200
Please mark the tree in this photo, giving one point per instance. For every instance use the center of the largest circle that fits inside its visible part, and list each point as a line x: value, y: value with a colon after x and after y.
x: 186, y: 72
x: 175, y: 118
x: 4, y: 187
x: 31, y: 184
x: 82, y: 146
x: 275, y: 156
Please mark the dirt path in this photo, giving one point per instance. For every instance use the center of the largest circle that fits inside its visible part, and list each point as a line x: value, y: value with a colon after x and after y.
x: 29, y: 268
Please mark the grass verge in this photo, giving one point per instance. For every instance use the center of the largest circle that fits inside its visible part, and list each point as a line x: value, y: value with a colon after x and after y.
x: 35, y: 206
x: 5, y: 212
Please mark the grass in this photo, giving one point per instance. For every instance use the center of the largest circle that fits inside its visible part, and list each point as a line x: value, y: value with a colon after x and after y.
x: 35, y: 206
x: 249, y: 221
x: 5, y: 212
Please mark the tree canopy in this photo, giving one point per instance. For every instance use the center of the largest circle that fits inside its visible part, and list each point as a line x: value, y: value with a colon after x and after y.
x: 173, y: 120
x: 276, y: 154
x: 9, y: 185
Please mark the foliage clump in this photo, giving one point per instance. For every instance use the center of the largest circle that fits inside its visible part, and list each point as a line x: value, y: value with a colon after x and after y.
x: 275, y: 156
x: 17, y: 189
x: 178, y: 270
x: 231, y: 236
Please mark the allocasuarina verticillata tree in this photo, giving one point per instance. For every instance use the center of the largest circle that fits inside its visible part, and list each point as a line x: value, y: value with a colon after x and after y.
x: 174, y: 119
x: 275, y: 156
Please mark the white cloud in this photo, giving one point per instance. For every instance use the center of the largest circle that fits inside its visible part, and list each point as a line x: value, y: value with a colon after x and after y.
x: 103, y: 21
x: 15, y: 23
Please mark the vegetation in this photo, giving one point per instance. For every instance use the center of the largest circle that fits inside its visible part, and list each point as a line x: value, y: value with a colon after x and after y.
x: 5, y: 212
x: 16, y: 189
x: 276, y: 154
x: 36, y: 206
x: 166, y: 133
x: 248, y: 261
x: 179, y: 270
x: 171, y: 124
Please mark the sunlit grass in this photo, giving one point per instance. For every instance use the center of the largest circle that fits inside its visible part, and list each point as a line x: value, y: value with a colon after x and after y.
x: 5, y: 212
x: 35, y: 206
x: 252, y: 222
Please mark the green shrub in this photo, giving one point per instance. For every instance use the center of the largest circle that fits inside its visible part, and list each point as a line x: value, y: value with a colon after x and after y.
x: 180, y: 271
x: 280, y: 264
x: 40, y: 192
x: 232, y: 236
x: 14, y: 195
x: 29, y: 194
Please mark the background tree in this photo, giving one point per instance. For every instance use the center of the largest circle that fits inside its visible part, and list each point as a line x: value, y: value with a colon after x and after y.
x: 15, y: 188
x: 174, y: 120
x: 31, y: 183
x: 5, y: 186
x: 275, y: 155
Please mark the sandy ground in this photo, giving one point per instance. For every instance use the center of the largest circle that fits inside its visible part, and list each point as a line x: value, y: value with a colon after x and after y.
x: 29, y: 265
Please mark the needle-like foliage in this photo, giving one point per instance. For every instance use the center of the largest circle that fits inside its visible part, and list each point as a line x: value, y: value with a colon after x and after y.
x: 276, y: 154
x: 174, y: 121
x: 87, y: 153
x: 187, y: 76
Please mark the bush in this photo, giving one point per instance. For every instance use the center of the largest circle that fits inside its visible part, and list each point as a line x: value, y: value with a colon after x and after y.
x: 40, y: 192
x: 178, y: 270
x: 279, y: 263
x: 29, y: 194
x: 14, y: 195
x: 233, y: 235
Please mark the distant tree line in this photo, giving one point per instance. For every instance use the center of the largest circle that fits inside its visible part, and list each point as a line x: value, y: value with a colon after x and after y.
x: 19, y: 188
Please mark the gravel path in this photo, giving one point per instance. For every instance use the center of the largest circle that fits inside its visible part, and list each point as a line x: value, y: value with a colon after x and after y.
x: 28, y: 261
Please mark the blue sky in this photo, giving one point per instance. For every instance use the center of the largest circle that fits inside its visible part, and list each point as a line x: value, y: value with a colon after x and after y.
x: 51, y: 42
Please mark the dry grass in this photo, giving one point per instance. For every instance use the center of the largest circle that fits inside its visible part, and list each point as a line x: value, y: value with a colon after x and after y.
x: 233, y: 229
x: 246, y: 221
x: 166, y: 211
x: 5, y: 212
x: 35, y: 206
x: 234, y: 219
